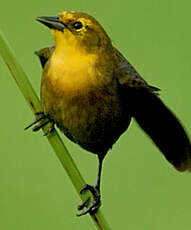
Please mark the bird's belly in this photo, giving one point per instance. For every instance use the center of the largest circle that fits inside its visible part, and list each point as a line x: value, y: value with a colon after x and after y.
x: 94, y: 121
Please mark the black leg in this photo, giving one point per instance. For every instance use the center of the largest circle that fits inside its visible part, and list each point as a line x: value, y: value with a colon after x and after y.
x: 100, y: 163
x: 95, y: 190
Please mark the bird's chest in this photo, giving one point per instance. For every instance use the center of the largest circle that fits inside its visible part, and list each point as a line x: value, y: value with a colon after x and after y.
x: 74, y: 96
x: 64, y: 80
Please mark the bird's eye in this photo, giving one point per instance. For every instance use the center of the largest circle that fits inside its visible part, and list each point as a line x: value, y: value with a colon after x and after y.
x: 77, y: 25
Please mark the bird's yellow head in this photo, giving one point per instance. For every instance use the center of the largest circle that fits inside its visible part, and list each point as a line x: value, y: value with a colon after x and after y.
x: 77, y: 30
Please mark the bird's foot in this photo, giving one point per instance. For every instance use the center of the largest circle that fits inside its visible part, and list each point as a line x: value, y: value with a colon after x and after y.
x: 96, y: 203
x: 40, y: 122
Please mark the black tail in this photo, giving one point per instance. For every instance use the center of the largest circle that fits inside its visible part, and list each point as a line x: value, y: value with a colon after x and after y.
x: 163, y: 128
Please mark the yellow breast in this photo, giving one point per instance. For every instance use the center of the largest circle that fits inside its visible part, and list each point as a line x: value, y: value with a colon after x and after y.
x: 68, y: 76
x: 71, y: 73
x: 72, y: 69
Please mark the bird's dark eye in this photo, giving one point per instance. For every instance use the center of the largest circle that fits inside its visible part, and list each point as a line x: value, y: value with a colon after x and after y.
x: 77, y: 25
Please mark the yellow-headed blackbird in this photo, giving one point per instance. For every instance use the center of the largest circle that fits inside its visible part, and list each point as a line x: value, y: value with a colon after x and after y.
x: 91, y: 92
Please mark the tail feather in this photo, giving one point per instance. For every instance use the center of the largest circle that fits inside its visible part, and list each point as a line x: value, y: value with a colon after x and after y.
x: 163, y: 127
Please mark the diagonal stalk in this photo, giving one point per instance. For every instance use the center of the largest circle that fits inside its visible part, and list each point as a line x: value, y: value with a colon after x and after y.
x: 54, y: 139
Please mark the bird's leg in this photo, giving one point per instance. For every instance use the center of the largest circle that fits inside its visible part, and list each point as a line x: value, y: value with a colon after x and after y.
x: 40, y: 122
x: 98, y: 182
x: 95, y: 190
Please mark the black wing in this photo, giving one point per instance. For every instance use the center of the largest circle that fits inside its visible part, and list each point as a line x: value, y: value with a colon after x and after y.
x: 44, y: 54
x: 153, y: 116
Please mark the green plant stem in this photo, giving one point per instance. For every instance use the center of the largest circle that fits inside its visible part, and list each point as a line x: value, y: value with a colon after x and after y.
x: 54, y: 139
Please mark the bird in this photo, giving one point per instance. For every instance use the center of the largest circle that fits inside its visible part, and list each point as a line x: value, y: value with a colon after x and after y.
x: 91, y: 93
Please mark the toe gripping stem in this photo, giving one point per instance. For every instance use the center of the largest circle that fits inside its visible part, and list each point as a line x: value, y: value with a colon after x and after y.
x: 40, y: 122
x: 96, y: 203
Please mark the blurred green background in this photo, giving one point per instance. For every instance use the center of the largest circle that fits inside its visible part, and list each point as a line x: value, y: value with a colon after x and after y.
x: 141, y: 190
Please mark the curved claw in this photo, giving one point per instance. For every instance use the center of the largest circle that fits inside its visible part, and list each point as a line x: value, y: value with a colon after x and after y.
x: 92, y: 209
x: 84, y: 204
x: 94, y: 205
x: 95, y: 192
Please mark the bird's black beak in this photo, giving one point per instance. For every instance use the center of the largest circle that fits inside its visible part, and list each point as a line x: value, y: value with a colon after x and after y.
x: 52, y: 22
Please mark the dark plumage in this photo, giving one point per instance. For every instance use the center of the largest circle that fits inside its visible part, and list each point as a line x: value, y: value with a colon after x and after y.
x: 91, y: 92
